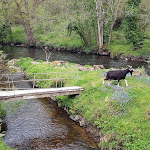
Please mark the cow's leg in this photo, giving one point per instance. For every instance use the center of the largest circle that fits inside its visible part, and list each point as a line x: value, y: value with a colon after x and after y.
x: 109, y: 82
x: 126, y: 82
x: 103, y: 82
x: 118, y: 84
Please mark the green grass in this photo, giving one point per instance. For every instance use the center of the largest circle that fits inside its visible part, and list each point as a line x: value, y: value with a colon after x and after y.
x: 120, y: 45
x: 122, y: 114
x: 3, y: 146
x: 10, y: 108
x: 58, y: 37
x: 18, y: 35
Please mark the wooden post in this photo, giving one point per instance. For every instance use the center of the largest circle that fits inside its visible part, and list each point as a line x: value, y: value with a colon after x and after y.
x: 13, y: 84
x: 34, y: 81
x: 77, y: 76
x: 8, y: 82
x: 61, y: 79
x: 56, y: 79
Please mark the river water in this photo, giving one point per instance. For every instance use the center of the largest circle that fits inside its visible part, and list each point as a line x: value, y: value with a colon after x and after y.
x: 39, y: 124
x: 37, y: 54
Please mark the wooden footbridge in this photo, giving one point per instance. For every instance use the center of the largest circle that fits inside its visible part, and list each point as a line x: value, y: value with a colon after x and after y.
x: 29, y: 86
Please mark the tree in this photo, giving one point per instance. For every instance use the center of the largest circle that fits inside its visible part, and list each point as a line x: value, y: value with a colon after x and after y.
x: 22, y: 12
x: 133, y: 31
x: 100, y: 23
x: 83, y: 21
x: 107, y: 13
x: 145, y: 14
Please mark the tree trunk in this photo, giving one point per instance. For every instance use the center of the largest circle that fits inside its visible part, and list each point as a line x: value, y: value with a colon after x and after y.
x: 114, y: 17
x: 29, y: 34
x: 100, y: 26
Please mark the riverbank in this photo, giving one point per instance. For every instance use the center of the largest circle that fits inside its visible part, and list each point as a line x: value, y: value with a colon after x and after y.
x: 116, y: 51
x: 3, y: 127
x: 118, y: 117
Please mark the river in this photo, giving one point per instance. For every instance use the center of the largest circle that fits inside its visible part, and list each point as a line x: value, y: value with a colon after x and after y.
x: 37, y: 54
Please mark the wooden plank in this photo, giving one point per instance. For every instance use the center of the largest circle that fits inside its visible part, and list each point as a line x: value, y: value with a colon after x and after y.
x: 39, y: 93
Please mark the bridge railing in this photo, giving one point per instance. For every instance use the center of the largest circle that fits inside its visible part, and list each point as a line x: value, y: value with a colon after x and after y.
x: 42, y: 80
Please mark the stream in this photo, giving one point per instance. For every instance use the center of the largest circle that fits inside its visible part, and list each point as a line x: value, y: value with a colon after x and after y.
x: 39, y: 124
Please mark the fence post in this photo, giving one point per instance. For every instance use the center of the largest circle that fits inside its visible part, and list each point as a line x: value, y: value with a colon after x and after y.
x: 8, y: 82
x: 34, y: 81
x: 61, y: 79
x: 56, y: 79
x: 77, y: 76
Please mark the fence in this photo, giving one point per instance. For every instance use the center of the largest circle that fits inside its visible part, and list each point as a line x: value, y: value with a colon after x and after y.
x: 8, y: 83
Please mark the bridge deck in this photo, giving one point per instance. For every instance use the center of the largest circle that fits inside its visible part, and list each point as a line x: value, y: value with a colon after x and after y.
x: 39, y: 93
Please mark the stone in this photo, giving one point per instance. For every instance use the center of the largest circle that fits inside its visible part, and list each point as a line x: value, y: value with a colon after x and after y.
x: 78, y: 65
x: 34, y: 62
x: 85, y: 68
x: 137, y: 72
x: 82, y: 122
x: 148, y: 116
x: 58, y: 63
x: 72, y: 117
x: 77, y: 117
x: 12, y: 62
x: 98, y: 67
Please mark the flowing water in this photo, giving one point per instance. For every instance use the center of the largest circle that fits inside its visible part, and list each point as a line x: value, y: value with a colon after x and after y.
x: 37, y: 54
x: 39, y: 124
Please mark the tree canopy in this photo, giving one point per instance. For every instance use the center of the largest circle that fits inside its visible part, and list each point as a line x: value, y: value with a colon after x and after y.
x: 93, y: 21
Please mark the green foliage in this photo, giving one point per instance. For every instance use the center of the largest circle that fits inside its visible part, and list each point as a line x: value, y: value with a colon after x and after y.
x: 5, y: 33
x: 80, y: 18
x: 133, y: 31
x: 3, y: 146
x: 2, y: 111
x: 120, y: 45
x: 13, y: 106
x: 2, y: 55
x: 84, y: 24
x: 134, y: 2
x: 18, y: 34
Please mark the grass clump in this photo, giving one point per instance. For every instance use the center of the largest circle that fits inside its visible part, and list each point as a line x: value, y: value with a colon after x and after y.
x: 122, y: 114
x: 3, y: 145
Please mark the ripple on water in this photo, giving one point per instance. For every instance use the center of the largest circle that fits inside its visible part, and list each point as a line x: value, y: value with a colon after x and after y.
x: 38, y: 125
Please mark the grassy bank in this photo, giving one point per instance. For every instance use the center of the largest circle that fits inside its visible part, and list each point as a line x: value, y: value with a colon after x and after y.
x: 3, y: 146
x: 122, y: 114
x: 59, y: 38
